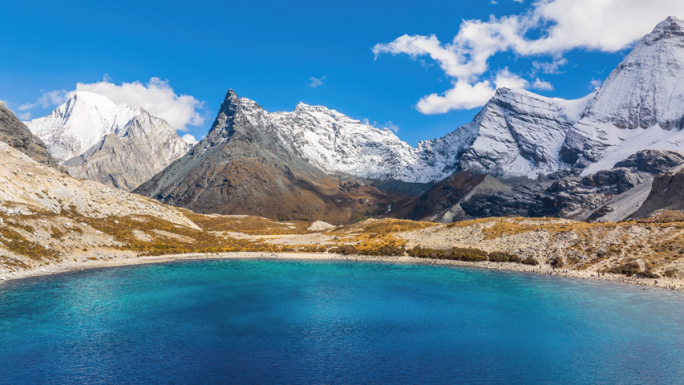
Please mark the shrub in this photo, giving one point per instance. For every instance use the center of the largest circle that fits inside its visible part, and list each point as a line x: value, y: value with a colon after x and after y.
x: 419, y: 252
x: 670, y: 273
x: 455, y: 253
x: 573, y: 260
x: 345, y: 250
x: 627, y: 269
x: 24, y: 227
x: 469, y: 255
x: 530, y: 261
x: 649, y: 274
x: 502, y: 256
x: 389, y: 250
x: 557, y: 262
x: 374, y: 250
x: 56, y: 233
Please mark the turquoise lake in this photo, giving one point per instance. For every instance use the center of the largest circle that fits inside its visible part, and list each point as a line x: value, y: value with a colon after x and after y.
x: 321, y: 322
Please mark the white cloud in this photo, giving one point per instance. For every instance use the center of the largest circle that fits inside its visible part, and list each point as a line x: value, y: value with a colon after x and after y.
x: 542, y: 85
x: 25, y: 116
x: 189, y: 139
x: 461, y: 96
x: 48, y: 99
x: 466, y: 96
x: 27, y: 106
x: 603, y: 25
x: 392, y: 127
x: 549, y: 68
x: 157, y: 97
x: 316, y: 82
x: 51, y: 98
x: 595, y: 83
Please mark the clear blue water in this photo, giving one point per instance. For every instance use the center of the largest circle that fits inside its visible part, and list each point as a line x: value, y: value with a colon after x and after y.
x: 249, y: 321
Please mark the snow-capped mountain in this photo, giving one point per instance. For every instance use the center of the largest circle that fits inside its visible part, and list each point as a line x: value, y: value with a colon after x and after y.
x: 80, y: 122
x: 114, y: 144
x: 338, y: 144
x: 517, y: 133
x: 244, y: 166
x: 640, y: 105
x: 503, y: 139
x: 86, y: 118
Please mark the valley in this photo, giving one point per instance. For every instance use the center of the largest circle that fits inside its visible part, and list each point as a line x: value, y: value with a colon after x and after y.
x: 587, y: 187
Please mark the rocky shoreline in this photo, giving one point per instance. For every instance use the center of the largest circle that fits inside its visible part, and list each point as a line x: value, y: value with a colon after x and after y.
x: 126, y: 260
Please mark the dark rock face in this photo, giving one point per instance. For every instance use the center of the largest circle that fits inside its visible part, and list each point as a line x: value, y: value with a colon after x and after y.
x: 653, y: 161
x: 444, y: 195
x: 667, y: 193
x: 242, y: 168
x: 500, y: 205
x: 616, y: 180
x: 563, y: 194
x: 466, y: 195
x: 17, y: 135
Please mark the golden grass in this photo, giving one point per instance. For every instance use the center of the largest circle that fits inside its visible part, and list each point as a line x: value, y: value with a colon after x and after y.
x: 17, y: 243
x: 247, y: 224
x: 121, y: 228
x: 662, y: 246
x: 499, y: 227
x: 385, y: 226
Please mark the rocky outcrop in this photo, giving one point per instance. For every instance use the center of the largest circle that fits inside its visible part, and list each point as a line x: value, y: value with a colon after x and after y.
x: 667, y: 193
x: 607, y: 195
x: 442, y: 203
x: 146, y: 146
x: 616, y: 180
x: 29, y: 187
x: 243, y: 167
x: 17, y: 135
x: 653, y: 161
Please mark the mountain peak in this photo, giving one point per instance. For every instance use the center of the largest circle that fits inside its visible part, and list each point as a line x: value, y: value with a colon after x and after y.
x: 670, y: 28
x: 672, y: 24
x: 230, y: 102
x: 231, y: 96
x: 90, y: 98
x: 638, y: 92
x: 301, y: 106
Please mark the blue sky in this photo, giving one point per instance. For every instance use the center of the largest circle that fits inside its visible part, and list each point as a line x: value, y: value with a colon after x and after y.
x: 268, y: 51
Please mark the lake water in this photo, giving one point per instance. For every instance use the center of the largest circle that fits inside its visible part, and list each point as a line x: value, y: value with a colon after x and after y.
x: 264, y: 321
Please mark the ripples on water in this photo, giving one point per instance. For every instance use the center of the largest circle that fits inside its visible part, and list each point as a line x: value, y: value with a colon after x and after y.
x: 334, y: 322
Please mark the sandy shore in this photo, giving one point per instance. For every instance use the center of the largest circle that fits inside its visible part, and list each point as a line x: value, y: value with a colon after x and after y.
x: 664, y: 283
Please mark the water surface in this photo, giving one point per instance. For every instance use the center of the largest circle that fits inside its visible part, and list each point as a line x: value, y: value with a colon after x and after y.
x: 263, y: 321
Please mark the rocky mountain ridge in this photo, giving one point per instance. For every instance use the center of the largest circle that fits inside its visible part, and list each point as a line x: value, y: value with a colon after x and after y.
x: 17, y: 135
x: 517, y: 133
x: 556, y: 157
x: 242, y: 167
